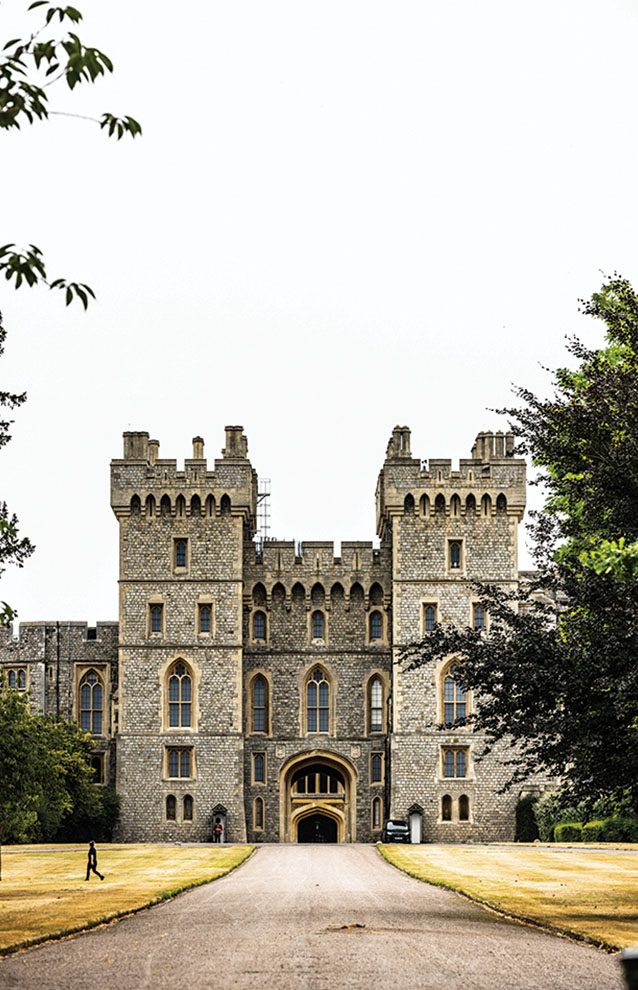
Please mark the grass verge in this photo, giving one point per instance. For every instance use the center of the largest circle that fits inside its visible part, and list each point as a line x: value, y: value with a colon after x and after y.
x: 43, y: 893
x: 591, y: 894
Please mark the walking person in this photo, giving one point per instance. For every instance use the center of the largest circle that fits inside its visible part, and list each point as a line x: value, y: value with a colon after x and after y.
x: 92, y: 862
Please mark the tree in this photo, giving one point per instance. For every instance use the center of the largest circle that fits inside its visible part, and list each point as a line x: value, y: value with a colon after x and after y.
x: 28, y: 67
x: 46, y: 773
x: 556, y: 673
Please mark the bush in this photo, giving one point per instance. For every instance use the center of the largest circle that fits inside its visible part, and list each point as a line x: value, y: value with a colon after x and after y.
x: 592, y: 831
x: 568, y: 832
x: 97, y: 822
x: 526, y: 827
x: 549, y: 810
x: 619, y: 829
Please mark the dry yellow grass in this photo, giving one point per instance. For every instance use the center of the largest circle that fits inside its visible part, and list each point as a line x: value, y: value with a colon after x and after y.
x: 43, y: 892
x: 590, y: 892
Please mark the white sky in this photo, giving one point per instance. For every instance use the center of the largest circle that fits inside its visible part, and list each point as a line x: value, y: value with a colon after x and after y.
x: 342, y: 216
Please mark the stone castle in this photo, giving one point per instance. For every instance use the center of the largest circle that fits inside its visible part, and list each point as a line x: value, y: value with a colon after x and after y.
x: 258, y: 684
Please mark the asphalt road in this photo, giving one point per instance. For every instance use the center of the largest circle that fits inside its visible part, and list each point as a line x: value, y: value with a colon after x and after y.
x: 314, y: 917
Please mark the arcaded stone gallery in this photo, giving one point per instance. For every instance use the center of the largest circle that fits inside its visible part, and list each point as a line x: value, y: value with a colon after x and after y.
x: 257, y: 682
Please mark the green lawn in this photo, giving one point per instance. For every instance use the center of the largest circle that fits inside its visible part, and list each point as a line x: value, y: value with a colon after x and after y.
x: 43, y: 892
x: 591, y: 892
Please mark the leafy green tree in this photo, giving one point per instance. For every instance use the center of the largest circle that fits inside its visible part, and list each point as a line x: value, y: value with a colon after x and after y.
x: 29, y: 66
x: 557, y: 674
x: 46, y: 773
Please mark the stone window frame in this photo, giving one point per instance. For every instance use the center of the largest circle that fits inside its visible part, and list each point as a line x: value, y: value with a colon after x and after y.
x: 371, y: 676
x: 170, y: 801
x: 188, y: 818
x: 432, y: 602
x: 303, y: 678
x: 17, y: 669
x: 204, y: 600
x: 474, y: 604
x: 443, y: 670
x: 151, y: 603
x: 259, y: 610
x: 253, y: 776
x: 164, y: 674
x: 259, y: 821
x: 381, y: 781
x: 377, y: 801
x: 455, y: 748
x: 103, y: 671
x: 249, y: 705
x: 318, y: 640
x: 461, y: 542
x: 455, y: 807
x: 99, y: 757
x: 181, y: 570
x: 168, y: 749
x: 382, y: 640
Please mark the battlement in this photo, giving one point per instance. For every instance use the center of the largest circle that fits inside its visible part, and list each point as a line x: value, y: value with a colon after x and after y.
x: 142, y: 483
x: 491, y: 480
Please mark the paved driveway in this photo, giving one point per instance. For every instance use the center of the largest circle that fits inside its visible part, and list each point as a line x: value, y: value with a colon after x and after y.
x: 313, y: 917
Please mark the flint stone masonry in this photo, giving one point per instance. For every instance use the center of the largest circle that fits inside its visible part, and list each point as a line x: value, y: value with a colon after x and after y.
x: 422, y: 507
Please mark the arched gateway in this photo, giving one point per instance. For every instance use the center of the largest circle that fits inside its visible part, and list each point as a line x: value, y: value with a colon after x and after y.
x: 318, y: 798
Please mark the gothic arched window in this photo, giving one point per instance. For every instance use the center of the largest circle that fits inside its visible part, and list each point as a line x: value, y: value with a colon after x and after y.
x: 464, y: 808
x: 91, y: 703
x: 188, y: 808
x: 454, y: 697
x: 180, y: 553
x: 171, y: 808
x: 446, y: 808
x: 376, y: 813
x: 205, y: 614
x: 376, y: 625
x: 376, y: 768
x: 429, y: 618
x: 259, y: 625
x: 318, y: 702
x: 376, y: 705
x: 259, y: 813
x: 259, y: 704
x: 479, y: 618
x: 318, y: 623
x: 180, y: 696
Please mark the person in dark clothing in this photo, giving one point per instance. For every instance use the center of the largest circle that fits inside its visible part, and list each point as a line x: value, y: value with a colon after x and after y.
x: 92, y: 863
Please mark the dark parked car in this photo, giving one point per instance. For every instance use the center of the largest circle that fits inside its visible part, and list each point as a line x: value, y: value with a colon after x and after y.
x: 396, y: 830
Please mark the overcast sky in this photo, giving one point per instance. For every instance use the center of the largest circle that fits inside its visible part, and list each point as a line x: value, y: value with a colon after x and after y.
x: 342, y: 216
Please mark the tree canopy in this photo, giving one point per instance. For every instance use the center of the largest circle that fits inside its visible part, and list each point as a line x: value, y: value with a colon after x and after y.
x: 556, y: 671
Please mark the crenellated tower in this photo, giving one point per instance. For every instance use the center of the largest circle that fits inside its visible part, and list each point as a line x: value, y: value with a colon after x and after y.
x: 447, y: 529
x: 182, y: 533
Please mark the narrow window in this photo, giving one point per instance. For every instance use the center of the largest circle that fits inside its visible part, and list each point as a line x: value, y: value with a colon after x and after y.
x: 455, y: 763
x: 188, y: 808
x: 260, y: 698
x: 455, y: 555
x: 259, y: 770
x: 259, y: 813
x: 317, y: 625
x: 13, y: 681
x: 22, y: 680
x: 179, y: 697
x: 97, y: 766
x: 479, y: 618
x: 205, y: 612
x: 376, y: 625
x: 454, y: 698
x: 464, y: 808
x: 430, y: 618
x: 318, y: 703
x: 156, y: 618
x: 376, y: 813
x: 171, y: 808
x: 376, y: 705
x: 259, y: 626
x: 446, y: 808
x: 180, y: 553
x: 179, y: 762
x: 376, y: 768
x: 91, y: 703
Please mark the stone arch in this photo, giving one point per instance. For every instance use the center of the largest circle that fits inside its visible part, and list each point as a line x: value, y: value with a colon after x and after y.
x: 455, y: 506
x: 278, y: 595
x: 486, y: 505
x: 165, y: 505
x: 136, y: 505
x: 356, y: 594
x: 408, y: 505
x: 376, y: 594
x: 501, y: 504
x: 210, y: 506
x: 342, y: 810
x: 224, y: 506
x: 439, y: 503
x: 318, y: 595
x: 150, y: 505
x: 259, y: 595
x: 196, y: 505
x: 470, y: 505
x: 337, y: 594
x: 425, y: 505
